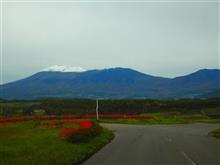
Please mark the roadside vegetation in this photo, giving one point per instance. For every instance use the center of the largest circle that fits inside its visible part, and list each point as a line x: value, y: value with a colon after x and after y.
x: 163, y: 111
x: 165, y: 118
x: 50, y: 141
x: 59, y: 131
x: 215, y: 133
x: 17, y: 108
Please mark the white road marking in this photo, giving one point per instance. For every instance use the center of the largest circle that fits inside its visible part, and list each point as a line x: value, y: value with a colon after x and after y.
x: 188, y: 158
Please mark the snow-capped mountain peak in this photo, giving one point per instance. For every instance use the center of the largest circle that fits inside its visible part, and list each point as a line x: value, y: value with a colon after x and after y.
x: 63, y: 68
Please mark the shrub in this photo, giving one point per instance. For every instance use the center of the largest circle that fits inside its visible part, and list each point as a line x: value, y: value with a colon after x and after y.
x: 84, y: 134
x: 66, y: 132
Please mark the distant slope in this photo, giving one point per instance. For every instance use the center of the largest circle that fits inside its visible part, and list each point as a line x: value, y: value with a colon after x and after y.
x: 111, y: 83
x: 196, y: 84
x: 212, y: 94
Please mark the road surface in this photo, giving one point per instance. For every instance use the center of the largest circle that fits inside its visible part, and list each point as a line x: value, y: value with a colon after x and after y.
x: 159, y: 144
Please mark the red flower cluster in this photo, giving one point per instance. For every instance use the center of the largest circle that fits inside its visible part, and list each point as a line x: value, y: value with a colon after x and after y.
x: 17, y: 119
x: 66, y: 132
x: 81, y: 123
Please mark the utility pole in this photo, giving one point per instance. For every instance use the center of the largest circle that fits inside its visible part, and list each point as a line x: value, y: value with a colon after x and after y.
x: 97, y: 109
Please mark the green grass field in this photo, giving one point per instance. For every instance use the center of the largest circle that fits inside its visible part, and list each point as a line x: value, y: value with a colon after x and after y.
x: 164, y: 118
x: 215, y: 133
x: 22, y: 144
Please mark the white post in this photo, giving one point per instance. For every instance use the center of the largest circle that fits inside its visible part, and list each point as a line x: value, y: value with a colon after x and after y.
x: 97, y: 109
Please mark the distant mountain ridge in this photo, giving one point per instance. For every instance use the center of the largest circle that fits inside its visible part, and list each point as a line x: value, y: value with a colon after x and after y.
x: 113, y: 83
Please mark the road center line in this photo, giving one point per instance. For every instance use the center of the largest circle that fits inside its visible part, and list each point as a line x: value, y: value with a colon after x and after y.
x: 188, y: 158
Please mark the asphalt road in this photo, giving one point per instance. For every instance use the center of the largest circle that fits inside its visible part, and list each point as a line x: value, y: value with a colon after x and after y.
x: 159, y: 144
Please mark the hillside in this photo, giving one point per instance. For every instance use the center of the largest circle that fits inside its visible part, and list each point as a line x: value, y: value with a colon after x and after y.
x: 113, y: 83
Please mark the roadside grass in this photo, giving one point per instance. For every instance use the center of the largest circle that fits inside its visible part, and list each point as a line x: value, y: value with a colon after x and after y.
x: 164, y: 118
x: 144, y: 121
x: 22, y: 144
x: 215, y: 133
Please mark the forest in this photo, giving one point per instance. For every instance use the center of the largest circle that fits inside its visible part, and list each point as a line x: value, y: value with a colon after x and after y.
x: 87, y: 106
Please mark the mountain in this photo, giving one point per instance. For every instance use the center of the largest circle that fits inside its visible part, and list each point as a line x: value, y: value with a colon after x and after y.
x: 112, y: 83
x: 197, y: 84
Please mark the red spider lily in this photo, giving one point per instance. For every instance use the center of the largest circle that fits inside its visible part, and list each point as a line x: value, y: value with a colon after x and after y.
x: 86, y: 124
x: 66, y: 132
x: 14, y: 119
x: 82, y: 123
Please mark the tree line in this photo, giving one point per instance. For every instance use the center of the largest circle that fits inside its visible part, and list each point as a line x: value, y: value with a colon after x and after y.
x: 87, y: 106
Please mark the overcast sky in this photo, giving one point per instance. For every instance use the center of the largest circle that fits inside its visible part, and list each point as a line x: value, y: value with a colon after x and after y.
x: 164, y: 39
